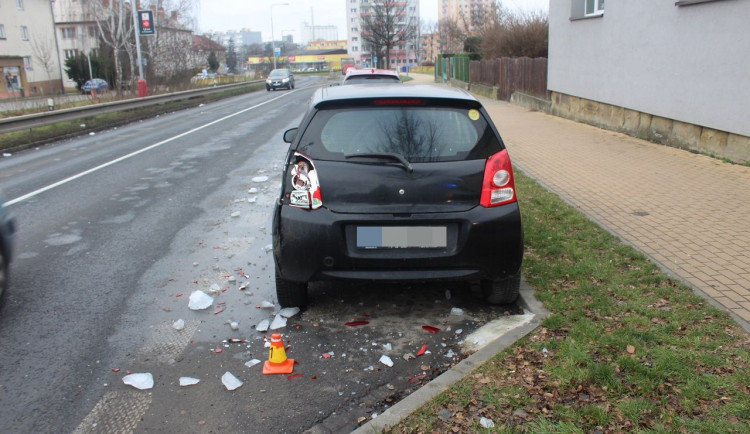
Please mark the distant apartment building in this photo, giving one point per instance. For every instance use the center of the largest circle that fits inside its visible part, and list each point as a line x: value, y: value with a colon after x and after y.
x: 469, y: 15
x: 312, y: 33
x: 429, y: 47
x: 402, y: 55
x: 239, y: 37
x: 29, y: 62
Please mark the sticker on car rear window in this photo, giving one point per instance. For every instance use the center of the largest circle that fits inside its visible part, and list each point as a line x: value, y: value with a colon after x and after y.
x: 304, y: 180
x: 474, y: 115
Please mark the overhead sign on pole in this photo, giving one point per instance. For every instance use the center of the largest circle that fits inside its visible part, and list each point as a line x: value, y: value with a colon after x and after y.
x: 146, y: 25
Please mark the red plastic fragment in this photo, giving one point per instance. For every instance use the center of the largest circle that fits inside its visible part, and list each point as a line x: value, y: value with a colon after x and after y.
x: 431, y: 329
x: 220, y: 307
x: 218, y: 349
x: 313, y: 378
x: 293, y: 376
x: 179, y: 294
x: 127, y: 372
x: 416, y: 378
x: 115, y: 370
x: 356, y: 323
x: 326, y: 356
x: 422, y: 350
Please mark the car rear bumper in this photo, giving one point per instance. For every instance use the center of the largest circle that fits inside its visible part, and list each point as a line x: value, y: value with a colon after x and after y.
x: 278, y: 85
x: 321, y: 245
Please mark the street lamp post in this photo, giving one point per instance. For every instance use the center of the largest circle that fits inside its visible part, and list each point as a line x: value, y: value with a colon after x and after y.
x: 273, y: 45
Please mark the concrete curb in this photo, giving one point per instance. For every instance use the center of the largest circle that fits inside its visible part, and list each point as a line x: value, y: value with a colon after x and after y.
x: 411, y: 403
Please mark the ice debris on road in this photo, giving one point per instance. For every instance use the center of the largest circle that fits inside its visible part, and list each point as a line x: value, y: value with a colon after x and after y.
x: 235, y: 214
x: 457, y: 311
x: 234, y: 325
x: 265, y: 304
x: 199, y: 300
x: 230, y: 381
x: 188, y: 381
x: 253, y: 190
x: 262, y: 326
x: 278, y: 322
x: 142, y: 381
x: 386, y: 361
x: 251, y: 363
x: 289, y: 312
x: 179, y: 324
x: 262, y: 178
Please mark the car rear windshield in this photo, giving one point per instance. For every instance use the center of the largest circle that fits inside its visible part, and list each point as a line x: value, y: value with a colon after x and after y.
x: 418, y: 133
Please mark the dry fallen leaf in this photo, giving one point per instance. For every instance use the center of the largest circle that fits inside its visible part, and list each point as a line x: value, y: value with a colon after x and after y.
x: 631, y: 349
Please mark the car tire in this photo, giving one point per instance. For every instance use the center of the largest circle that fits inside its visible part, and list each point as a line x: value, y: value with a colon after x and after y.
x: 268, y: 89
x: 3, y: 277
x: 291, y: 294
x: 504, y: 291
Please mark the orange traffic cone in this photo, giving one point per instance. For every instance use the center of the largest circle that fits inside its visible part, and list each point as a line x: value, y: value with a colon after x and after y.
x: 277, y: 362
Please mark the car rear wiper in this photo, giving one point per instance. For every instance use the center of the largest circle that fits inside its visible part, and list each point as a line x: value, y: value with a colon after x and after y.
x: 389, y: 155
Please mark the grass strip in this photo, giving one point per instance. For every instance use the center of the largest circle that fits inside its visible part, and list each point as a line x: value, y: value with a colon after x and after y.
x: 41, y: 135
x: 626, y: 347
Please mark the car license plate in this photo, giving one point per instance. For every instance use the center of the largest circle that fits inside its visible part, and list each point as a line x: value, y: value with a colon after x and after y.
x: 395, y: 237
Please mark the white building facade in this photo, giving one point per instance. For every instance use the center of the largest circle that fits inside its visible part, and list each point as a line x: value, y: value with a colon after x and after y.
x: 685, y: 61
x: 403, y: 55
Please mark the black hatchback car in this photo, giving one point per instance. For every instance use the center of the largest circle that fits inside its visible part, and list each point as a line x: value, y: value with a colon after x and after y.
x: 280, y: 79
x: 395, y: 183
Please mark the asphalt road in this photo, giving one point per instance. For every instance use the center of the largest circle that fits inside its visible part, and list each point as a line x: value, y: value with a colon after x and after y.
x: 116, y: 230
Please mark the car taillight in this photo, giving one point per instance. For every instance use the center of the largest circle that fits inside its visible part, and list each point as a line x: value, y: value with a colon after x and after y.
x: 498, y: 186
x: 305, y: 186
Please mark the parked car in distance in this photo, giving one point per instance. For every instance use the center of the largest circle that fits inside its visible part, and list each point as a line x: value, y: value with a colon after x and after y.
x: 95, y: 84
x: 7, y: 234
x: 397, y: 183
x: 372, y: 75
x: 280, y: 78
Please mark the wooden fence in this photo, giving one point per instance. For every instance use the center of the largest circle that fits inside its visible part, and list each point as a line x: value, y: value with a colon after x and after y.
x: 512, y: 74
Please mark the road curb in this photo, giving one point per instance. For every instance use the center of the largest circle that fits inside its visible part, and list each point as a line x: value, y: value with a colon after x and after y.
x: 411, y: 403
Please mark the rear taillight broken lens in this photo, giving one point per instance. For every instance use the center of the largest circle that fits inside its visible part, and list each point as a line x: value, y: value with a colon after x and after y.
x: 305, y: 186
x: 498, y: 186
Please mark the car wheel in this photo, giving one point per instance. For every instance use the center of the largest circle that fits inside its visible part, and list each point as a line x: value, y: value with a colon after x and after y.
x: 292, y: 85
x: 291, y: 294
x: 501, y: 291
x: 268, y: 89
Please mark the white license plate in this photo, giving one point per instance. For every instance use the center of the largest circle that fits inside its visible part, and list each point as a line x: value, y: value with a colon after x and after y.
x: 395, y: 237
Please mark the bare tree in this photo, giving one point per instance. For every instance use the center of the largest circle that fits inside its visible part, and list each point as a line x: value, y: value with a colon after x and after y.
x: 523, y: 34
x: 115, y: 30
x: 451, y: 35
x: 45, y: 53
x: 386, y: 25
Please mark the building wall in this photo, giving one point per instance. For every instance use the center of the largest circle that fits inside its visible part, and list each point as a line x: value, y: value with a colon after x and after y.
x: 684, y: 63
x: 76, y: 33
x: 356, y: 50
x: 467, y: 13
x: 38, y: 41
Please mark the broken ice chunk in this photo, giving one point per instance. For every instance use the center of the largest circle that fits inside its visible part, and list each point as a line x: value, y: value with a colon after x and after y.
x: 188, y: 381
x: 260, y: 178
x: 457, y: 311
x: 386, y: 361
x: 252, y: 199
x: 235, y: 214
x: 486, y: 423
x: 289, y: 312
x: 278, y: 322
x: 230, y: 381
x: 199, y: 300
x: 253, y: 190
x: 179, y: 324
x: 268, y: 248
x: 234, y: 325
x: 140, y: 381
x: 267, y: 304
x: 252, y: 363
x: 262, y: 326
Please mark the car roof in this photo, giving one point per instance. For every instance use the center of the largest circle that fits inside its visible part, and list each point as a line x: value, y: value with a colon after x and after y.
x: 388, y: 90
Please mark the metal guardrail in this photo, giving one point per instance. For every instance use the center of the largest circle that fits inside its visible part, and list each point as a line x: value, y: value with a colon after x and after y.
x: 17, y: 123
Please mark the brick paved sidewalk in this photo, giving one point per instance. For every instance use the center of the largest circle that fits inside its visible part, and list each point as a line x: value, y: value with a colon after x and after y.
x: 689, y: 213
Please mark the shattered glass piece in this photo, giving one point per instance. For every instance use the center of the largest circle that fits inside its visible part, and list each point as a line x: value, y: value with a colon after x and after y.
x: 457, y: 311
x: 387, y: 347
x: 262, y: 326
x: 235, y: 214
x: 289, y: 312
x: 486, y: 423
x: 253, y: 190
x: 188, y: 381
x: 278, y: 322
x: 252, y: 199
x: 140, y: 381
x: 215, y: 288
x: 230, y: 381
x: 386, y: 361
x: 231, y: 279
x: 268, y: 248
x: 450, y: 354
x: 260, y: 178
x: 408, y: 356
x: 179, y: 324
x: 199, y: 300
x: 252, y: 363
x: 234, y: 325
x: 267, y: 305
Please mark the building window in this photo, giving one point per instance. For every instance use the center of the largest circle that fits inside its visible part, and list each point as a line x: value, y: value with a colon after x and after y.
x: 24, y: 33
x: 355, y: 39
x: 354, y: 10
x: 68, y: 32
x: 355, y: 48
x: 19, y: 4
x: 2, y: 31
x: 70, y: 53
x: 594, y: 7
x: 93, y: 31
x: 27, y: 62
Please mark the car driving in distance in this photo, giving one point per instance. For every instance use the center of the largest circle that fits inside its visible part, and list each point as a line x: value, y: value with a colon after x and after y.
x: 95, y: 84
x: 371, y: 75
x: 396, y: 183
x: 280, y: 79
x: 7, y: 234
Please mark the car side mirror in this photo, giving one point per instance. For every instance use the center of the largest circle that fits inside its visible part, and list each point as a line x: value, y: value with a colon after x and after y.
x: 289, y: 135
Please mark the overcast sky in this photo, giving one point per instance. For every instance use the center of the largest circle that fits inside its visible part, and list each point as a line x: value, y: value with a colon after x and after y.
x: 221, y: 15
